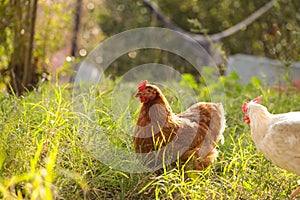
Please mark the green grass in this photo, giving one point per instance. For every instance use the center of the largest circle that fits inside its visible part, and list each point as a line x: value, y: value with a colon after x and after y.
x: 43, y: 154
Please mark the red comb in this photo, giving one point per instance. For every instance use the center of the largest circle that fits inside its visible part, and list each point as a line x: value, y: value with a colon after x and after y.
x: 142, y: 85
x: 256, y: 100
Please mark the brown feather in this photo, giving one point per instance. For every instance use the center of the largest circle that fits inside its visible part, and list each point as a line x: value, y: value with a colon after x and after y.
x: 198, y: 129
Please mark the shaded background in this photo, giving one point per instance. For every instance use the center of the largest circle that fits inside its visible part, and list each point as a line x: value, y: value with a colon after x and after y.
x: 44, y: 40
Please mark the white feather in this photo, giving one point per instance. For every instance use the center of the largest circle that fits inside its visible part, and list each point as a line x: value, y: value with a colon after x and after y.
x: 277, y: 136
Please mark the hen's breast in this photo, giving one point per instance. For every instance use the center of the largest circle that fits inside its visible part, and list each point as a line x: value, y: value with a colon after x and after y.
x: 282, y: 141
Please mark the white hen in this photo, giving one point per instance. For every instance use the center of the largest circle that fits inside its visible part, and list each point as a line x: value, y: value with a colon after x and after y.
x: 277, y: 136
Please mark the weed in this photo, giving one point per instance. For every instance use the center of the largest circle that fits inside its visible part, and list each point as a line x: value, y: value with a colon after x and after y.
x: 43, y: 154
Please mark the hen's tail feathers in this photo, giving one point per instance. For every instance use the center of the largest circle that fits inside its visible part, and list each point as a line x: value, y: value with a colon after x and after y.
x: 215, y: 130
x: 220, y: 109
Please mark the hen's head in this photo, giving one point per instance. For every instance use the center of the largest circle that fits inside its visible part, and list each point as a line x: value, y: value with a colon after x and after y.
x: 248, y: 105
x: 147, y: 92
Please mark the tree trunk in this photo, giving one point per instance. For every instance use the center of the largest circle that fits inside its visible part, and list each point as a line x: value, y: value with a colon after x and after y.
x: 74, y: 47
x: 29, y: 70
x: 21, y: 70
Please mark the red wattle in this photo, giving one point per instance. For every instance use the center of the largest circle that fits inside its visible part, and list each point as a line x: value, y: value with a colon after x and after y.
x: 143, y: 100
x: 247, y: 119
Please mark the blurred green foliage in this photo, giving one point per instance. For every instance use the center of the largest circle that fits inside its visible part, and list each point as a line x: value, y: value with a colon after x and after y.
x: 52, y: 22
x: 274, y: 35
x: 52, y: 32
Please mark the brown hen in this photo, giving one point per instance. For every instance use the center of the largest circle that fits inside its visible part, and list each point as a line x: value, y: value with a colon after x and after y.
x: 191, y: 135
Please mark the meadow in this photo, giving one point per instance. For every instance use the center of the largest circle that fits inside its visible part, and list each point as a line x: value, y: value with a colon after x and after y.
x: 44, y: 156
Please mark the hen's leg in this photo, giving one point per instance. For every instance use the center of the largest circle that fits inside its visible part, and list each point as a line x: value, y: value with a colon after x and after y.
x: 295, y: 192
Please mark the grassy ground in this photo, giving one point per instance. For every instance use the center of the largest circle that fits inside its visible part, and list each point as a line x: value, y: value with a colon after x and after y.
x: 44, y: 156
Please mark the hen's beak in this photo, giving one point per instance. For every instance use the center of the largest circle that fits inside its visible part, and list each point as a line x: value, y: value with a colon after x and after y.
x: 139, y: 94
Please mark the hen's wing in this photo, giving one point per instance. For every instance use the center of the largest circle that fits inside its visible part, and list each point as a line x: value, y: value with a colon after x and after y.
x: 282, y: 143
x: 209, y: 121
